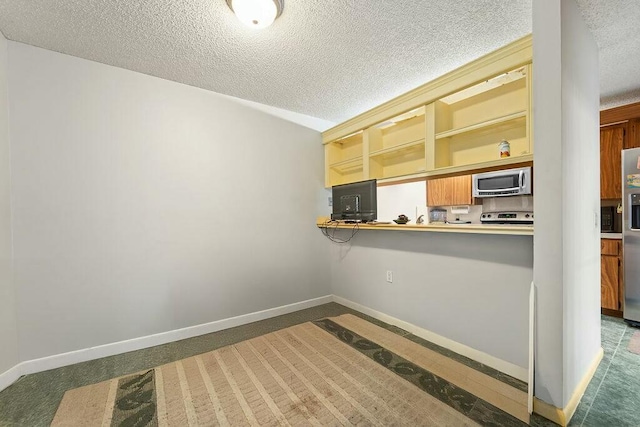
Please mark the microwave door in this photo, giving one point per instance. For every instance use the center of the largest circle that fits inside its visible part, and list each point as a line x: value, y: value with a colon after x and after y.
x: 500, y: 183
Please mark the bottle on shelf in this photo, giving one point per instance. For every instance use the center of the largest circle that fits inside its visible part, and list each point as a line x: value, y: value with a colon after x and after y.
x: 504, y: 149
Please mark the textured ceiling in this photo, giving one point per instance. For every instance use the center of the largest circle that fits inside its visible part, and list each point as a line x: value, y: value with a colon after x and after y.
x: 615, y: 26
x: 330, y: 59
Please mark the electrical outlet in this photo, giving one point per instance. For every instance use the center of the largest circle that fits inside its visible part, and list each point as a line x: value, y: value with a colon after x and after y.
x: 330, y: 201
x: 389, y: 276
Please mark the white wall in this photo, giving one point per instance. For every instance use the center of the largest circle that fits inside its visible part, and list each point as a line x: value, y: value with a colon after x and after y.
x: 473, y: 289
x: 408, y: 199
x: 581, y: 196
x: 8, y: 331
x: 143, y: 205
x: 566, y: 241
x: 548, y: 241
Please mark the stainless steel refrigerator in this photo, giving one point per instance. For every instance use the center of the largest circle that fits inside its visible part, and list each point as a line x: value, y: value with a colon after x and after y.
x: 631, y: 234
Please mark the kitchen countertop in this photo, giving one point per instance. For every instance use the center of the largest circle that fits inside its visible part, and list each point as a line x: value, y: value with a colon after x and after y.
x: 518, y: 230
x: 611, y: 236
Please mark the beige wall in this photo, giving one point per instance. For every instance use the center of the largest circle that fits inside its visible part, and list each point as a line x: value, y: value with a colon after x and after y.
x: 472, y: 289
x: 143, y: 206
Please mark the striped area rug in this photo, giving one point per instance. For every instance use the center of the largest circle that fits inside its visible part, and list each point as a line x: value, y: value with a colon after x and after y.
x: 339, y: 371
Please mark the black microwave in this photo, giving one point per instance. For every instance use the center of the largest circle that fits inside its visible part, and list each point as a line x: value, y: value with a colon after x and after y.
x: 607, y: 219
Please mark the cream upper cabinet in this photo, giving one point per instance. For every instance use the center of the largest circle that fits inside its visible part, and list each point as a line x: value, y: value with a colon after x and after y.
x: 397, y: 146
x: 344, y: 160
x: 451, y: 125
x: 470, y: 124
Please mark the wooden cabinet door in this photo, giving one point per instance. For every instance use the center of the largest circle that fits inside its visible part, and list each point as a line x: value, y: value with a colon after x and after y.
x: 455, y: 190
x: 438, y: 191
x: 611, y: 144
x: 609, y: 247
x: 633, y: 136
x: 609, y: 282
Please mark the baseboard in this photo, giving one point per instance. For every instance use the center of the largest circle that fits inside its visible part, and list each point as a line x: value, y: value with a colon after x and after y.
x: 9, y: 377
x: 612, y: 313
x: 563, y: 416
x: 83, y: 355
x: 477, y: 355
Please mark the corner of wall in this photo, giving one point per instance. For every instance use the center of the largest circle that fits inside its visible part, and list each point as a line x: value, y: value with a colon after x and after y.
x: 8, y: 320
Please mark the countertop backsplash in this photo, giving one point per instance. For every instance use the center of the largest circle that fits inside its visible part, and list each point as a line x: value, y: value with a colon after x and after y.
x: 511, y: 203
x: 473, y: 215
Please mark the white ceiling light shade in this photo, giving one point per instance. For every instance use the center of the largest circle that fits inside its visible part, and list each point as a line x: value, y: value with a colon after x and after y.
x: 256, y: 13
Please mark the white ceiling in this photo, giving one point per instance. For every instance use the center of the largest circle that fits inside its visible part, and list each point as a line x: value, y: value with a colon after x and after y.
x: 329, y: 59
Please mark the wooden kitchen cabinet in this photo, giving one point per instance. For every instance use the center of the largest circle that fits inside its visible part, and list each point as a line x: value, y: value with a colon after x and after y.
x: 611, y: 284
x: 455, y: 190
x: 611, y: 145
x: 633, y: 137
x: 613, y: 139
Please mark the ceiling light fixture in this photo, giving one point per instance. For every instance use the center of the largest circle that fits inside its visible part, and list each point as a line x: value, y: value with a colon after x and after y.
x: 256, y: 13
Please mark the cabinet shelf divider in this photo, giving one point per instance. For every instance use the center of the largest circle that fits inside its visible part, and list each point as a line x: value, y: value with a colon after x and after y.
x: 397, y: 148
x: 346, y: 165
x: 477, y: 126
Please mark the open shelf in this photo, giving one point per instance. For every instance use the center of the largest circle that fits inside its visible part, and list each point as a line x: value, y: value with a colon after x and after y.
x: 471, y: 123
x: 345, y: 172
x: 345, y: 149
x: 346, y: 165
x: 487, y: 85
x: 344, y: 160
x: 397, y: 146
x: 485, y: 124
x: 481, y: 144
x: 501, y: 98
x: 398, y: 162
x: 395, y: 150
x: 398, y: 131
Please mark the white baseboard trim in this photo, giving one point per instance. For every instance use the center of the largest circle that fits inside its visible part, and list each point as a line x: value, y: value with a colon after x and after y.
x: 91, y: 353
x: 477, y: 355
x: 83, y: 355
x: 562, y: 416
x: 9, y: 377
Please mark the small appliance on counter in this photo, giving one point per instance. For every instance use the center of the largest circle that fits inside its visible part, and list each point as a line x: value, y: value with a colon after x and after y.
x: 507, y: 217
x: 437, y: 216
x: 607, y: 219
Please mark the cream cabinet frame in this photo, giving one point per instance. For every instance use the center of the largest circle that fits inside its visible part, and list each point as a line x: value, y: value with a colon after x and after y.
x: 450, y: 125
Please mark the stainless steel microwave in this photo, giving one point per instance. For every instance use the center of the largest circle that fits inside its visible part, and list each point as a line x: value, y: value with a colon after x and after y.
x: 511, y: 182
